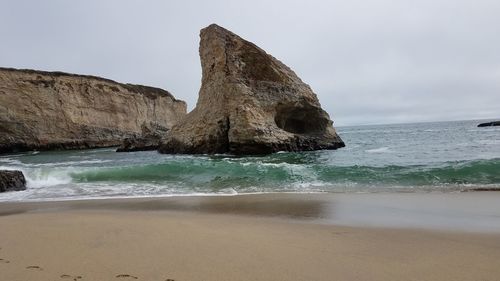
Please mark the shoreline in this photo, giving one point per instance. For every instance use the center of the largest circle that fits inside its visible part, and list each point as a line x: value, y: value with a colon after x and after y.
x: 233, y: 238
x: 476, y: 212
x: 454, y: 190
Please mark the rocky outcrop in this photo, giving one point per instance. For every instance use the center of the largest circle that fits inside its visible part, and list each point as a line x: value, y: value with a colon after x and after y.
x: 12, y: 181
x: 488, y: 124
x: 149, y: 140
x: 139, y: 144
x: 54, y: 110
x: 249, y: 103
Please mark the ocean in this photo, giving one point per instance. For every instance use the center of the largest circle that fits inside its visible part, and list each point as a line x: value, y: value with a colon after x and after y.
x: 421, y: 157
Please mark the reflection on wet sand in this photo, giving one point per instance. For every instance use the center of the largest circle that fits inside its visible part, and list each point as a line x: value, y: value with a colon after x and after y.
x: 468, y: 211
x: 296, y: 206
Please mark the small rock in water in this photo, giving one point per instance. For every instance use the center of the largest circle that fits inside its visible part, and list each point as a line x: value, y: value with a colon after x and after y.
x: 12, y: 181
x: 488, y: 124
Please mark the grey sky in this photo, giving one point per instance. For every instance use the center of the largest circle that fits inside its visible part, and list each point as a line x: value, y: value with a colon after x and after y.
x: 377, y: 61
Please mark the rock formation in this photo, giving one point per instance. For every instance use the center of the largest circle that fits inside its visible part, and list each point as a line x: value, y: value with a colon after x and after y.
x: 149, y: 140
x: 488, y: 124
x: 12, y: 181
x: 54, y: 110
x: 249, y: 103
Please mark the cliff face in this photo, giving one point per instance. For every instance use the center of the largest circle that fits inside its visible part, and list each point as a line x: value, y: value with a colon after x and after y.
x: 249, y: 103
x: 54, y: 110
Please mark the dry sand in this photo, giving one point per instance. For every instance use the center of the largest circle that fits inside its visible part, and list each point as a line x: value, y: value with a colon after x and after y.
x: 163, y: 239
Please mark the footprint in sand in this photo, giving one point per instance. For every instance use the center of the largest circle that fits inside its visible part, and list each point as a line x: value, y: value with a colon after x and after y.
x: 74, y: 278
x: 169, y: 280
x: 4, y: 261
x: 126, y: 276
x: 34, y: 267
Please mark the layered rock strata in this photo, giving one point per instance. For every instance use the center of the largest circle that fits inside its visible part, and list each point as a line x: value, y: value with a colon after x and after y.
x: 54, y: 110
x: 249, y: 103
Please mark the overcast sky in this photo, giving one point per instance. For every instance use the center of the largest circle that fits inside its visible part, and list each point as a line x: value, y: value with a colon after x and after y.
x: 369, y: 62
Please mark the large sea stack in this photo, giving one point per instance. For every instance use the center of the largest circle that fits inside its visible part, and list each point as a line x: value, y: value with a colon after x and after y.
x: 55, y: 110
x: 249, y: 103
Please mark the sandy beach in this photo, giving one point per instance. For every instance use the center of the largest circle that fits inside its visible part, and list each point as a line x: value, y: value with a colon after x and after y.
x: 254, y: 237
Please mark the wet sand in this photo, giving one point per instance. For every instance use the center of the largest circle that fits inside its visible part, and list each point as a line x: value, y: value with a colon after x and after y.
x: 255, y: 237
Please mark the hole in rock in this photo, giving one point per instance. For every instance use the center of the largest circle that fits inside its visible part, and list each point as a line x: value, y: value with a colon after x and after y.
x: 301, y: 120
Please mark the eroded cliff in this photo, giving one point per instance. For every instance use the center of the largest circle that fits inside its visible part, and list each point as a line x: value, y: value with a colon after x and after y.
x: 54, y: 110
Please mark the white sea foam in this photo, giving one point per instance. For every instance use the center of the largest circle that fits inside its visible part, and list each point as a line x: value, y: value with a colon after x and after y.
x: 378, y: 150
x: 282, y: 165
x: 66, y: 163
x: 39, y: 179
x: 10, y: 161
x: 230, y: 191
x: 16, y: 162
x: 8, y: 168
x: 489, y: 142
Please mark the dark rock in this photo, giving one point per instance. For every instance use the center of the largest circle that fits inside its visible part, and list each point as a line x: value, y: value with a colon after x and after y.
x: 148, y: 140
x: 249, y: 103
x: 139, y: 144
x: 12, y: 181
x: 488, y: 124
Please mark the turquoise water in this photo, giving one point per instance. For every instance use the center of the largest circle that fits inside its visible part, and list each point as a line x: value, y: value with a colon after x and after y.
x: 445, y: 156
